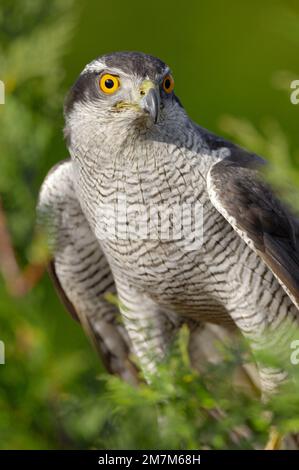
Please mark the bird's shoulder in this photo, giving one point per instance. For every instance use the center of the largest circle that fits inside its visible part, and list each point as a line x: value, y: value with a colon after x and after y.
x: 239, y: 189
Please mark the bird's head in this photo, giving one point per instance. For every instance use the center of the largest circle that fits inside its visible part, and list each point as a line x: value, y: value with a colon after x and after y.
x: 120, y: 92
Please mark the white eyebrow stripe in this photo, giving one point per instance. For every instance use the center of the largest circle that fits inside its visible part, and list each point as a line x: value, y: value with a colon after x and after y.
x: 94, y: 66
x: 99, y: 66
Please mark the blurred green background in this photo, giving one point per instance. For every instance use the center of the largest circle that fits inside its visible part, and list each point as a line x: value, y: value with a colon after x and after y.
x: 233, y: 63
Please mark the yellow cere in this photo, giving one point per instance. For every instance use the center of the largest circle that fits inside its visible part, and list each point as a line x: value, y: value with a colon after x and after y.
x: 146, y: 86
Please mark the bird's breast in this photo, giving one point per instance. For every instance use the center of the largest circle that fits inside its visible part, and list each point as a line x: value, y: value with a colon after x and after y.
x: 155, y: 223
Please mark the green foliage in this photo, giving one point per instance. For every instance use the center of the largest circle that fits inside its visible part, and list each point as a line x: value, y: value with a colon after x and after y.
x: 54, y: 393
x: 31, y: 69
x: 181, y: 409
x: 33, y: 38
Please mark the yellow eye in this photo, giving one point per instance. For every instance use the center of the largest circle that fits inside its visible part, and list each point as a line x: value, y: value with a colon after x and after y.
x: 109, y: 83
x: 168, y: 84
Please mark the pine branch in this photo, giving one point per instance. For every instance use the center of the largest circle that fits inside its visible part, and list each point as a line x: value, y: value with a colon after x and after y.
x: 18, y: 282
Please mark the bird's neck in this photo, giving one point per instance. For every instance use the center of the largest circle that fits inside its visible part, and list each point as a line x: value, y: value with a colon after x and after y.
x: 145, y: 153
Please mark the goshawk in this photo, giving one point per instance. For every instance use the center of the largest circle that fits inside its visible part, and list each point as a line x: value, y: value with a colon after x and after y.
x: 174, y: 220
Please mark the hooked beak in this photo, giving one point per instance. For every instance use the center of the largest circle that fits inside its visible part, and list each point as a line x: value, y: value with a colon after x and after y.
x: 150, y: 103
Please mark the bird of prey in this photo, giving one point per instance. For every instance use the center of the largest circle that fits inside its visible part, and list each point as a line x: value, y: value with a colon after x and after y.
x: 228, y: 256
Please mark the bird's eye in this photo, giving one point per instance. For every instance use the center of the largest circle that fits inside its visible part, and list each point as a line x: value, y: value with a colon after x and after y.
x: 168, y: 84
x: 109, y: 83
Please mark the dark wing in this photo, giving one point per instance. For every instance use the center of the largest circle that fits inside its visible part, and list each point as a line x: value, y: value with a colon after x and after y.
x: 61, y: 293
x: 81, y: 273
x: 246, y: 201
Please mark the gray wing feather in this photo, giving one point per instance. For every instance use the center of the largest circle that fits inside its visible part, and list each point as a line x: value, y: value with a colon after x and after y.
x: 81, y: 273
x: 240, y: 194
